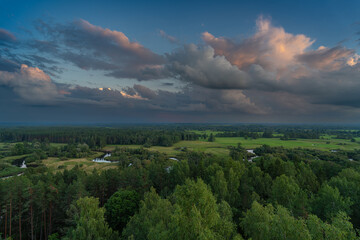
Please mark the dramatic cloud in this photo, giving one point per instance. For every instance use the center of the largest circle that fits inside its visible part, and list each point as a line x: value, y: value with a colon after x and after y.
x: 92, y: 47
x: 270, y: 74
x: 31, y: 84
x: 275, y: 61
x: 286, y: 55
x: 200, y: 66
x: 270, y: 47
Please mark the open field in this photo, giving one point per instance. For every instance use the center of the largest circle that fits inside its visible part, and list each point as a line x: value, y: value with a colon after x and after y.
x: 219, y: 147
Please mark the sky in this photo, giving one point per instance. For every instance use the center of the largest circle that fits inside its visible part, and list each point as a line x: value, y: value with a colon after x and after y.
x: 179, y: 61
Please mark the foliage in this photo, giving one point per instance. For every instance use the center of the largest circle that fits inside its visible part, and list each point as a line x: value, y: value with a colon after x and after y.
x: 89, y: 221
x: 120, y: 207
x: 284, y: 193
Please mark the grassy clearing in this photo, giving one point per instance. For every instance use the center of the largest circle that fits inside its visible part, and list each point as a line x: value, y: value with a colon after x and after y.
x: 86, y: 164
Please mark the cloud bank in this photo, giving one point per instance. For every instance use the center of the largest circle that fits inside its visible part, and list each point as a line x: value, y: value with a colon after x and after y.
x: 270, y: 75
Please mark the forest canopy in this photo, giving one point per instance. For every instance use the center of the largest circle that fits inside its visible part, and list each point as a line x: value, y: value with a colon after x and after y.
x: 262, y: 193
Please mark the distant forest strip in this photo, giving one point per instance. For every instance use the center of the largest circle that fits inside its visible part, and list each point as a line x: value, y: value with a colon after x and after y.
x: 97, y: 136
x: 167, y: 135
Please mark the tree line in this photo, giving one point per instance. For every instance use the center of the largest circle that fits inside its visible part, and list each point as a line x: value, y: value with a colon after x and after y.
x: 97, y: 136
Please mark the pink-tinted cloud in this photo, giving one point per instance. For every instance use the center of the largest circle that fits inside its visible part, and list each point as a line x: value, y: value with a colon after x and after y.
x: 34, y: 73
x: 271, y: 47
x: 92, y: 47
x: 113, y: 36
x: 31, y: 84
x: 328, y: 59
x: 286, y: 54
